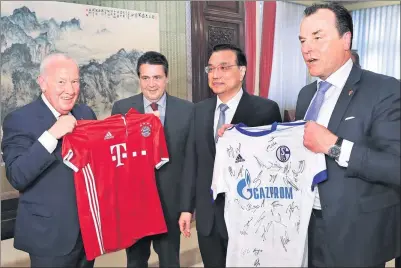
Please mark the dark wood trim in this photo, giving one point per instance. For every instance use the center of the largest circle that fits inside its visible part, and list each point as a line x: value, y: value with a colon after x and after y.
x: 205, y: 14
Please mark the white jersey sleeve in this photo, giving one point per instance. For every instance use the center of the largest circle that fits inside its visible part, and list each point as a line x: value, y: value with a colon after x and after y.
x: 220, y: 170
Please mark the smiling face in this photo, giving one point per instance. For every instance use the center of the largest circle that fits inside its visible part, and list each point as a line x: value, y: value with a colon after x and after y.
x: 226, y: 76
x: 153, y: 81
x: 60, y: 84
x: 323, y: 49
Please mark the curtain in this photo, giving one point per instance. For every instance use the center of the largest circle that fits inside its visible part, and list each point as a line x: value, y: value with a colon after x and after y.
x: 289, y: 72
x: 266, y: 57
x: 250, y: 45
x: 377, y: 39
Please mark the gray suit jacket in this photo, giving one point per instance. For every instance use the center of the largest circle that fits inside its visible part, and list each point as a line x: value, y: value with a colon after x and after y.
x: 178, y: 129
x: 361, y: 203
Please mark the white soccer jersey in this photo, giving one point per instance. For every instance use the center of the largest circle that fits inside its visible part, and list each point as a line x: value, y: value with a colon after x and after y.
x: 268, y: 178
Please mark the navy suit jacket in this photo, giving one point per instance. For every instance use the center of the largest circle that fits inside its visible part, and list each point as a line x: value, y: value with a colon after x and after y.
x: 361, y: 203
x: 47, y: 220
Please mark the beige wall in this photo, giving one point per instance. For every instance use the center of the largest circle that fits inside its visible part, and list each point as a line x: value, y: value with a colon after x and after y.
x: 173, y: 36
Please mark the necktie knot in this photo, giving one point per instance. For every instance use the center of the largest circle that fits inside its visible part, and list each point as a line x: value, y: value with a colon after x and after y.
x: 223, y: 107
x: 154, y: 106
x: 324, y: 86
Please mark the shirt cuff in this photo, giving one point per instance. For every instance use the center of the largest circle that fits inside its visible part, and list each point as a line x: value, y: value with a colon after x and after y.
x: 48, y: 141
x: 346, y: 148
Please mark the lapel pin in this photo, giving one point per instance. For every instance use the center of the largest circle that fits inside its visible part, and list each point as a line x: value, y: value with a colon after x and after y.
x: 350, y: 92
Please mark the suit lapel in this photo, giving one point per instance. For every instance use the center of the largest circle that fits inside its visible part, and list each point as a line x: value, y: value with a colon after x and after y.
x: 137, y: 103
x: 344, y: 99
x: 169, y: 114
x: 76, y: 113
x: 242, y: 109
x: 308, y: 98
x: 45, y: 115
x: 209, y: 127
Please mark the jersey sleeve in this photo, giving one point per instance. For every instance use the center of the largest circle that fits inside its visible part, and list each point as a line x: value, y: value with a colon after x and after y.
x: 74, y: 151
x: 160, y: 152
x: 318, y: 169
x: 220, y: 170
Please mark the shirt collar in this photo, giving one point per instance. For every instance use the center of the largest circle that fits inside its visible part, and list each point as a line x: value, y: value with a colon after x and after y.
x: 54, y: 112
x: 233, y: 102
x: 161, y: 102
x: 339, y: 77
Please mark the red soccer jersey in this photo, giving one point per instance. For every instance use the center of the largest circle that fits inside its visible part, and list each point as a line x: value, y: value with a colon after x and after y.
x: 117, y: 198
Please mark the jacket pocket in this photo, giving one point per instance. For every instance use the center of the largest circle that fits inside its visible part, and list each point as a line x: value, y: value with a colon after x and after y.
x: 379, y: 201
x: 36, y: 209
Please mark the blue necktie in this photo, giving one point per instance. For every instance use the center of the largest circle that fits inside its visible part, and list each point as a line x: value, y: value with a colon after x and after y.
x: 314, y: 108
x: 222, y: 119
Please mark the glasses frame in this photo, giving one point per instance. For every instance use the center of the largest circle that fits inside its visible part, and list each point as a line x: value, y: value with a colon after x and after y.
x: 209, y: 70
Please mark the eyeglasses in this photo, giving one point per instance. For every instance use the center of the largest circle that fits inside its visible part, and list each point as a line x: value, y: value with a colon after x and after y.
x: 224, y: 68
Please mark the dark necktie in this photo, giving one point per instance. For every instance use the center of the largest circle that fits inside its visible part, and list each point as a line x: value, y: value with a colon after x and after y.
x: 154, y: 106
x: 315, y: 106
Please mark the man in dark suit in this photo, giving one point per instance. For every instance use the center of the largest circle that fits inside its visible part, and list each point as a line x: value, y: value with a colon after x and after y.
x: 176, y: 116
x: 355, y: 121
x: 226, y: 70
x: 47, y: 221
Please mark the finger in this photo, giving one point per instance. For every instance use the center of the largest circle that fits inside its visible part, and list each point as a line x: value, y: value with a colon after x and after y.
x: 181, y: 224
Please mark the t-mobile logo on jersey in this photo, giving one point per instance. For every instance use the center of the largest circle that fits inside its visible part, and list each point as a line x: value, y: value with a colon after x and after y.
x: 120, y: 153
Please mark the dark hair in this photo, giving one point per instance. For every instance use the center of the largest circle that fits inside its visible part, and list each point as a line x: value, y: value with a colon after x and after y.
x: 343, y: 17
x: 153, y: 58
x: 356, y: 58
x: 241, y: 58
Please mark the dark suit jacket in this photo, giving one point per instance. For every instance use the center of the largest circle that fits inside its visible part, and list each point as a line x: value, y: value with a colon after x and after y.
x: 252, y: 111
x: 361, y: 203
x: 179, y: 136
x: 47, y: 220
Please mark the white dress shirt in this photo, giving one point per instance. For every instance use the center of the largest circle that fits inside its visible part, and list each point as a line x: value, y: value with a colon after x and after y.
x: 161, y: 107
x: 232, y: 107
x: 46, y: 139
x: 337, y: 80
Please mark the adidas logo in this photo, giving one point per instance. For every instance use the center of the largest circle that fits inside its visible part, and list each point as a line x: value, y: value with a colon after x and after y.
x: 239, y: 159
x: 108, y: 136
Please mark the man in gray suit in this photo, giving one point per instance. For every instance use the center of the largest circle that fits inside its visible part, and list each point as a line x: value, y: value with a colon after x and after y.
x: 176, y: 116
x: 355, y: 121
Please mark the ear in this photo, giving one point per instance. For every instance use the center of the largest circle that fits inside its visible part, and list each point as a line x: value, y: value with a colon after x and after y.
x: 42, y: 83
x: 242, y: 70
x: 347, y: 40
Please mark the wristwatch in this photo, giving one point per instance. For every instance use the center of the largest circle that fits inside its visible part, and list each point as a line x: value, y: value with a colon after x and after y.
x: 335, y: 150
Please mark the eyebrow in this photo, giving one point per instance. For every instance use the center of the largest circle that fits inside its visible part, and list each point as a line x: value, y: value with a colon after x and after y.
x: 316, y: 32
x: 221, y: 63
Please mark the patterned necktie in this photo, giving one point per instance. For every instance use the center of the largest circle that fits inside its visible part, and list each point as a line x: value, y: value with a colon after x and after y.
x: 154, y: 106
x: 222, y: 119
x: 314, y: 108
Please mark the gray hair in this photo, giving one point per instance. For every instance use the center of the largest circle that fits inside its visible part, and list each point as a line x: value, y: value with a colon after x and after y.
x: 50, y: 58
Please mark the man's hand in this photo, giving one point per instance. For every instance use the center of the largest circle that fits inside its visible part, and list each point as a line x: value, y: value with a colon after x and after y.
x: 156, y: 113
x: 317, y: 138
x: 65, y: 124
x: 185, y: 223
x: 222, y: 129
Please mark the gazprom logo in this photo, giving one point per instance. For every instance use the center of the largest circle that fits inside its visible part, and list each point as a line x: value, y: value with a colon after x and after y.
x: 245, y: 182
x: 247, y: 192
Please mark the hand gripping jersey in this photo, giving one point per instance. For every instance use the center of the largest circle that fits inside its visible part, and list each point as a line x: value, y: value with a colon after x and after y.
x: 114, y: 160
x: 268, y: 178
